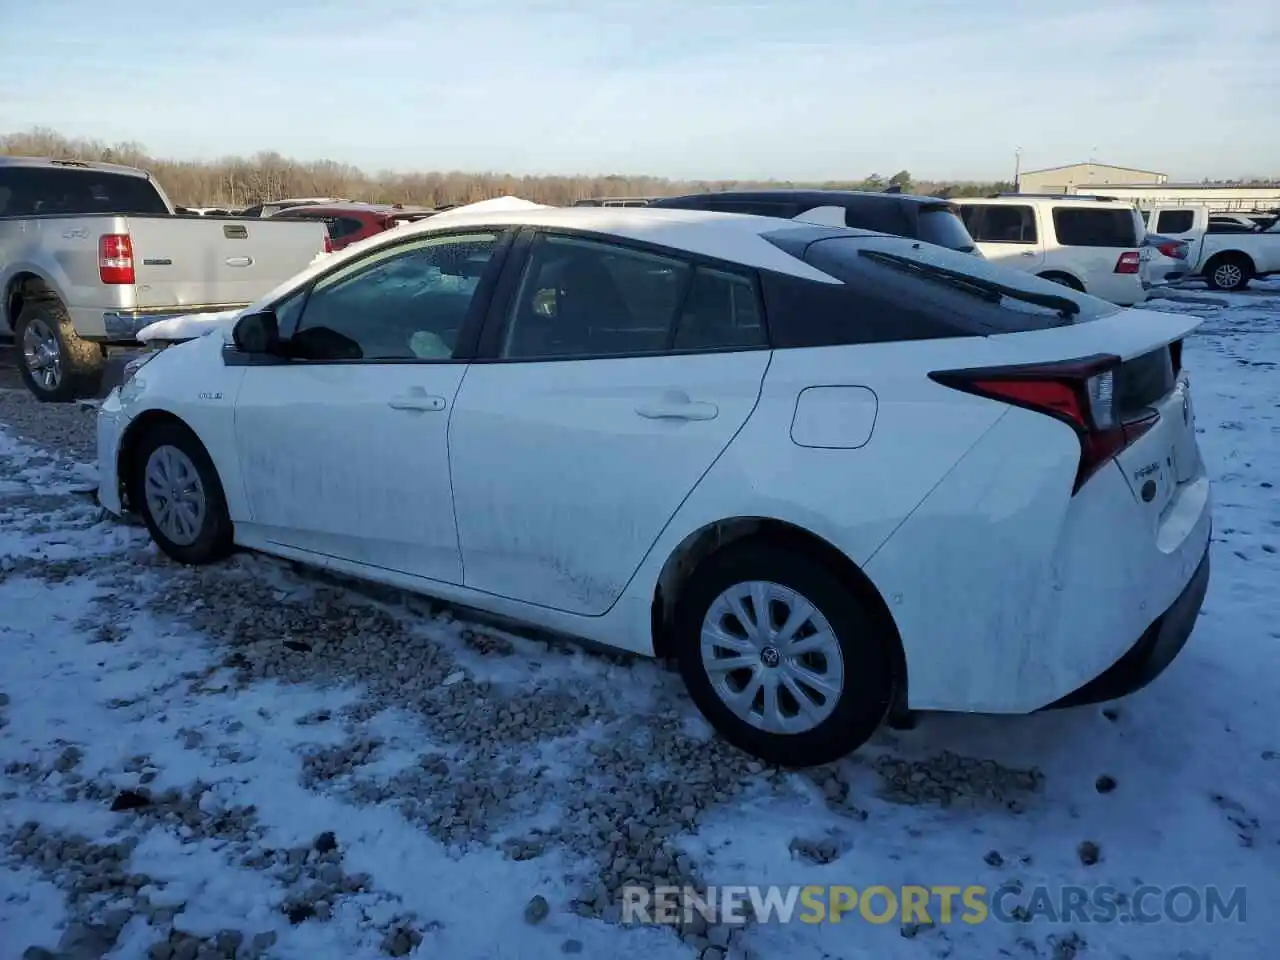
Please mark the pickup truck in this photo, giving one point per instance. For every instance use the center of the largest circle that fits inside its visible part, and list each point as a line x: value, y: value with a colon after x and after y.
x: 92, y: 252
x: 1227, y: 256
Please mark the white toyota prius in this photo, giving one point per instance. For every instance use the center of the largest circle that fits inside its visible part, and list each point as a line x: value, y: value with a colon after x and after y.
x: 833, y: 474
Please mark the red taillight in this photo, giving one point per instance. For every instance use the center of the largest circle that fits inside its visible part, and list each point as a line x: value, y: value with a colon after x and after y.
x: 115, y: 259
x: 1176, y: 250
x: 328, y: 244
x: 1130, y: 262
x: 1079, y: 393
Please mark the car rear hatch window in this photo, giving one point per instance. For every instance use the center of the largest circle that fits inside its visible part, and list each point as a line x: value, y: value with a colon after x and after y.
x: 950, y: 289
x: 943, y: 225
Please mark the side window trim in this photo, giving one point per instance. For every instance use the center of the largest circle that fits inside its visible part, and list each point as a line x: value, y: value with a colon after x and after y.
x: 468, y: 337
x: 490, y: 337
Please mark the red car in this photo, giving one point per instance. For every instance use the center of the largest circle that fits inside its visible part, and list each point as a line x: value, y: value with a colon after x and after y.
x: 349, y: 222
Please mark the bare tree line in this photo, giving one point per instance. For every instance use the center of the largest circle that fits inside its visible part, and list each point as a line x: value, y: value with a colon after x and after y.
x: 235, y: 182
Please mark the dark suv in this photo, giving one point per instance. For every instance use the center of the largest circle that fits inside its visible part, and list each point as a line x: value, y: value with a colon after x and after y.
x: 930, y: 219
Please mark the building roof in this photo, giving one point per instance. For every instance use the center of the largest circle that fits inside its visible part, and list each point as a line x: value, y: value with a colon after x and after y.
x: 1275, y: 186
x: 1093, y: 163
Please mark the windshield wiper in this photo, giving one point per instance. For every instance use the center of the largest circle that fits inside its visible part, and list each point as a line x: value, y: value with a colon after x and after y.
x: 989, y: 290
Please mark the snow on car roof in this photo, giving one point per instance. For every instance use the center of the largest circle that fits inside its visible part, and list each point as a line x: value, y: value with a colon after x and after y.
x: 735, y: 237
x: 727, y: 236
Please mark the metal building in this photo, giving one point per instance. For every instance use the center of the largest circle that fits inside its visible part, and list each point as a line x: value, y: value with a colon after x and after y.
x: 1073, y: 177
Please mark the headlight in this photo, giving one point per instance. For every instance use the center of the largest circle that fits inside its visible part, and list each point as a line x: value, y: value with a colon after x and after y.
x: 137, y: 363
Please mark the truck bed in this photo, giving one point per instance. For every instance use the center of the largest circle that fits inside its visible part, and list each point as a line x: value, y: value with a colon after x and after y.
x: 180, y: 265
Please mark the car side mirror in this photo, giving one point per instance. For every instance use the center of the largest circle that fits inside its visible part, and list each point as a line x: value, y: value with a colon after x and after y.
x: 258, y: 333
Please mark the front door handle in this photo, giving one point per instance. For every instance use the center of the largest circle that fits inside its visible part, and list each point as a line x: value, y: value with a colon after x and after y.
x: 678, y: 407
x: 1029, y: 253
x: 420, y: 402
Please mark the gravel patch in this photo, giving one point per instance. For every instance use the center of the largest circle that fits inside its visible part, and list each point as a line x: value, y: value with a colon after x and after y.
x: 65, y: 427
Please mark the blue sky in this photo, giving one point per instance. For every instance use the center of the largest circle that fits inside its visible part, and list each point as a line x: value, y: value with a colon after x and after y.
x: 683, y: 88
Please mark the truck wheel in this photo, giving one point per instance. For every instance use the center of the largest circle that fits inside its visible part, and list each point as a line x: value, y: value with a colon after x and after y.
x: 1228, y: 272
x: 56, y: 365
x: 1063, y: 279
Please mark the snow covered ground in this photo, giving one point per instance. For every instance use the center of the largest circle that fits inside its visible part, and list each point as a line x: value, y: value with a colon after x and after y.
x: 253, y: 760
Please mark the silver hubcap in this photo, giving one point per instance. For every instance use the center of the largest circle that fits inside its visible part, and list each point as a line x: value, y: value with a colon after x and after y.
x: 41, y: 355
x: 175, y: 495
x: 772, y: 657
x: 1228, y: 275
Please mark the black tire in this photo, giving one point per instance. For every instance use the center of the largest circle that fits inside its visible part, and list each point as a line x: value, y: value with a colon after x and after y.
x: 1064, y: 279
x: 1219, y: 275
x: 81, y: 363
x: 868, y: 676
x: 214, y: 539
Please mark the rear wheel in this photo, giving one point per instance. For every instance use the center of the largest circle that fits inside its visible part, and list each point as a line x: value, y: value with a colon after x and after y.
x: 56, y: 365
x: 176, y: 489
x: 1228, y: 272
x: 780, y: 656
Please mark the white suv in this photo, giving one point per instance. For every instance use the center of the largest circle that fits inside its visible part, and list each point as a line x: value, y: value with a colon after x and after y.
x: 1091, y: 245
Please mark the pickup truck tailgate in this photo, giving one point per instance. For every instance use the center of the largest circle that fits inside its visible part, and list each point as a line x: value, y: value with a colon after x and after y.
x: 204, y: 261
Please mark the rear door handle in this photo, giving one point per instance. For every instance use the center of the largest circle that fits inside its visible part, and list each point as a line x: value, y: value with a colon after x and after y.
x: 1029, y: 253
x: 678, y: 410
x: 420, y: 402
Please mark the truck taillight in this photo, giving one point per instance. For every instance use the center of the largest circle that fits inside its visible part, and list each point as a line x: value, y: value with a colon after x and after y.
x: 1080, y: 393
x: 115, y: 259
x: 1130, y: 262
x: 328, y: 244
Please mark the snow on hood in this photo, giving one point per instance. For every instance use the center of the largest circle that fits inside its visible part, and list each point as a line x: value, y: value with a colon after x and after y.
x: 188, y: 326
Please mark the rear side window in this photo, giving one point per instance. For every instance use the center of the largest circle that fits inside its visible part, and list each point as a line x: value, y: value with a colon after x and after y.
x: 1091, y: 227
x: 1175, y: 221
x: 721, y: 312
x: 581, y: 298
x: 943, y: 226
x: 37, y: 191
x: 999, y: 222
x: 880, y: 303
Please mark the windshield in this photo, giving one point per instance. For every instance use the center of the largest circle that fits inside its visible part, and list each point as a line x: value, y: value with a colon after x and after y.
x: 943, y: 226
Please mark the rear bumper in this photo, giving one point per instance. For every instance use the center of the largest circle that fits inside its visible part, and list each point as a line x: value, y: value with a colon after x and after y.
x: 1158, y: 647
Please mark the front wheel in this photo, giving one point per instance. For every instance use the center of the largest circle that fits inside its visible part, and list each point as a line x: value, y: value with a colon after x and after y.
x: 177, y: 491
x: 781, y: 657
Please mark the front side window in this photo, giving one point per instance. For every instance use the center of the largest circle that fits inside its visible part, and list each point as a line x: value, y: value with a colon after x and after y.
x: 584, y: 298
x: 1000, y: 222
x: 406, y: 302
